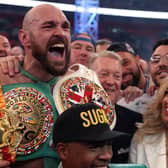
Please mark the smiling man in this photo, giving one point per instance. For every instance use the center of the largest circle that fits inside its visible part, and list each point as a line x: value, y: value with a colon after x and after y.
x: 134, y: 81
x: 108, y: 67
x: 82, y: 46
x: 159, y: 62
x: 45, y: 35
x: 132, y: 73
x: 82, y: 137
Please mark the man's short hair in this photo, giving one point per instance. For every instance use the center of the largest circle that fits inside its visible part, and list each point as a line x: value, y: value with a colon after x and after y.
x: 106, y: 54
x: 159, y: 43
x: 122, y: 46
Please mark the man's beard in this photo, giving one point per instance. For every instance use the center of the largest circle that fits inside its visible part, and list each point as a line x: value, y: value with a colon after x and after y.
x: 135, y: 79
x: 41, y: 56
x: 156, y: 82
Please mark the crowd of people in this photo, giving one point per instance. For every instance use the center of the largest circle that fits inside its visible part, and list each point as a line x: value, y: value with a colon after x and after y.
x: 81, y: 135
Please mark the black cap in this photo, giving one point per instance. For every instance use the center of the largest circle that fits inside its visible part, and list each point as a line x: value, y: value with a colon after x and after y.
x: 83, y: 122
x: 121, y: 46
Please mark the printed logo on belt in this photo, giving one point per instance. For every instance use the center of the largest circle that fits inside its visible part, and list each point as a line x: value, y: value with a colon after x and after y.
x: 34, y: 112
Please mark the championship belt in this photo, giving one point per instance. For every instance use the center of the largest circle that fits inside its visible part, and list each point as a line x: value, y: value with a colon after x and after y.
x: 82, y: 86
x: 26, y: 119
x: 10, y: 131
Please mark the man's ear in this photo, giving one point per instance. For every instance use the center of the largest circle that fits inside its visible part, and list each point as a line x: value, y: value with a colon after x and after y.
x: 24, y: 38
x: 62, y: 149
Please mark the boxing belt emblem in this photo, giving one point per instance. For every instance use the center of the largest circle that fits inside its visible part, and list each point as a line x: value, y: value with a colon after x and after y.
x: 10, y: 131
x: 82, y: 86
x: 32, y: 118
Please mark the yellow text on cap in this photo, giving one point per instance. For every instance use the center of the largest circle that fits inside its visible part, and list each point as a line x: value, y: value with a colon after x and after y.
x: 92, y: 117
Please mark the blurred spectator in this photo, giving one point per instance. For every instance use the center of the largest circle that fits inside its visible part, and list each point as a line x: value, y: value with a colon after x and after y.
x: 109, y: 76
x: 108, y: 67
x: 132, y: 73
x: 17, y: 51
x: 82, y: 45
x: 5, y: 46
x: 159, y: 62
x: 102, y: 44
x: 149, y: 145
x: 134, y: 82
x: 158, y: 65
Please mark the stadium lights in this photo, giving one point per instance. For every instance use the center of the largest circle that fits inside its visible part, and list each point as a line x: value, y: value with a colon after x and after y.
x: 100, y: 11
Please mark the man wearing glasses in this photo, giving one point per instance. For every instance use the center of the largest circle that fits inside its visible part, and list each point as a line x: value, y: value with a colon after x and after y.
x: 159, y: 62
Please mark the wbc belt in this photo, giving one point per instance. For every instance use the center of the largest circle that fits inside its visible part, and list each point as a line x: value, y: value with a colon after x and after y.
x: 82, y: 86
x: 33, y: 108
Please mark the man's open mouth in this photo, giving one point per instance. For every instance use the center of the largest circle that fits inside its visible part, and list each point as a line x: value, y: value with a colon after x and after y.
x: 57, y: 49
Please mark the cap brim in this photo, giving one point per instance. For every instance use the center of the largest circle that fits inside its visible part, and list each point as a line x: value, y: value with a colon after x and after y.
x: 106, y: 136
x: 110, y: 135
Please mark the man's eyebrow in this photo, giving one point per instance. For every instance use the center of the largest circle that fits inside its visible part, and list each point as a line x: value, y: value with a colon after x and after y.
x: 76, y: 44
x: 67, y: 22
x: 89, y: 46
x: 48, y: 22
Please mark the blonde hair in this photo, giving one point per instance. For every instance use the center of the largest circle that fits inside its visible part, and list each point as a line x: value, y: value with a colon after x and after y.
x: 152, y: 120
x: 109, y: 54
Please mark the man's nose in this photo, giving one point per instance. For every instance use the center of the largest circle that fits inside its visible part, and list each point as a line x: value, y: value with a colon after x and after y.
x: 59, y: 31
x: 106, y: 153
x: 83, y: 52
x: 110, y: 79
